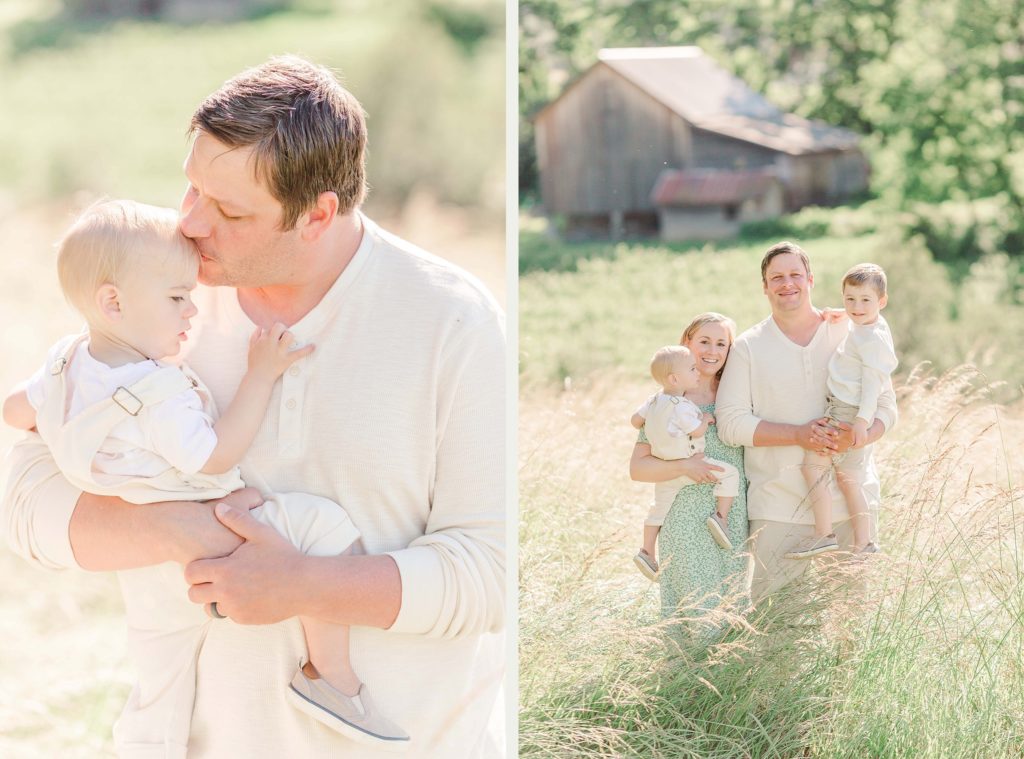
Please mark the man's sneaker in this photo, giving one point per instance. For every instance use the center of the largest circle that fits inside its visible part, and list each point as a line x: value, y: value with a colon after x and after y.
x: 354, y: 717
x: 719, y: 530
x: 805, y: 549
x: 647, y: 565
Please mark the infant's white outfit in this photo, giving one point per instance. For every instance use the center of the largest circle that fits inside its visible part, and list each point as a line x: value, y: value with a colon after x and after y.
x: 142, y: 432
x: 668, y: 422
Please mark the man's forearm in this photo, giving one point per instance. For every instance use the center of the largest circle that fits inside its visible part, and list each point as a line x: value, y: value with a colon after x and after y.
x: 350, y: 590
x: 109, y: 534
x: 777, y: 433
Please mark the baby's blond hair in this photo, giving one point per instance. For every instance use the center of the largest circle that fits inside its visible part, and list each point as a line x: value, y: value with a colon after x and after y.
x: 112, y: 238
x: 663, y: 361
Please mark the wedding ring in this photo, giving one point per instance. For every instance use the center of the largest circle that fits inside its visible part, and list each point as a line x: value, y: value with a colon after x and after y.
x: 213, y: 611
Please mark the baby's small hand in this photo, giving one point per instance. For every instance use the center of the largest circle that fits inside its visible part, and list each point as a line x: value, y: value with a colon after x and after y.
x: 860, y: 433
x: 270, y: 351
x: 709, y: 418
x: 833, y: 315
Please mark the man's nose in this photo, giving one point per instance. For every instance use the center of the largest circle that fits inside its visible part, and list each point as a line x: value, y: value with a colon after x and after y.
x: 194, y: 223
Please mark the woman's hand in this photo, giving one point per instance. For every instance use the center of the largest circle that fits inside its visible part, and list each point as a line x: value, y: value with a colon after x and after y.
x: 646, y: 467
x: 698, y: 469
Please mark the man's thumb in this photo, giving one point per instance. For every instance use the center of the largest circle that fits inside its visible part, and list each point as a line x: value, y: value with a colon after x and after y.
x: 240, y: 522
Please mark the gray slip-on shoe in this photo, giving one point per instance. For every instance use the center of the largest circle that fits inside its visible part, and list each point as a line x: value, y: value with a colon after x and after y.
x: 809, y: 547
x: 647, y: 565
x: 718, y: 529
x: 354, y: 717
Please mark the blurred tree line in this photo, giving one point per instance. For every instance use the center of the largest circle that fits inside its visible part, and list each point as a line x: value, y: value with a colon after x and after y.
x: 935, y: 86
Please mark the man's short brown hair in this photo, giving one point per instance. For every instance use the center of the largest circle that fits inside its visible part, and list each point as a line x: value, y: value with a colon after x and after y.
x: 779, y: 249
x: 307, y: 132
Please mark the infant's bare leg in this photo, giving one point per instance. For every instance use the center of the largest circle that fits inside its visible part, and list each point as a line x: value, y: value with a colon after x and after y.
x: 724, y: 503
x: 651, y: 538
x: 849, y: 482
x: 328, y: 646
x: 815, y: 471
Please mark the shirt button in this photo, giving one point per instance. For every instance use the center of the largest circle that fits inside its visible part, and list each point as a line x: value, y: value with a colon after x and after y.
x: 294, y: 371
x: 290, y: 403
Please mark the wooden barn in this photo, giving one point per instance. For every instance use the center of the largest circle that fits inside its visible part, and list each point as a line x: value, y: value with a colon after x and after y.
x: 604, y: 143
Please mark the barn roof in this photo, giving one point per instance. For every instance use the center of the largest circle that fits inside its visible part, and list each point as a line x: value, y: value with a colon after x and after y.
x: 710, y: 187
x: 692, y: 85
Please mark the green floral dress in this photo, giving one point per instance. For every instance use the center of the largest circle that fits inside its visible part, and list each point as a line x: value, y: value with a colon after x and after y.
x: 696, y: 573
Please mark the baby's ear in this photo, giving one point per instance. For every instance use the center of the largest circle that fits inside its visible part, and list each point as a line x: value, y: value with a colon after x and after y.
x: 883, y: 301
x: 108, y: 302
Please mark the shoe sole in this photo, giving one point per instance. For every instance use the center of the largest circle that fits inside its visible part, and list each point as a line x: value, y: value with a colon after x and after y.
x: 339, y: 724
x: 645, y: 569
x: 812, y: 553
x: 718, y: 534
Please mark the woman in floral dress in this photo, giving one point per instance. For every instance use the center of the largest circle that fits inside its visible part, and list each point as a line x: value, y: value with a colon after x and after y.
x: 695, y: 572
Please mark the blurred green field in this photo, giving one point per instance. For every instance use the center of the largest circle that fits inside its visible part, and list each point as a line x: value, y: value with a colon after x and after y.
x: 104, y: 113
x: 596, y: 307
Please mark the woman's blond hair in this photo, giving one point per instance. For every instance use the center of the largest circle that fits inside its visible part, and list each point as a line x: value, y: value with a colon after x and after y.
x: 710, y: 317
x: 112, y: 238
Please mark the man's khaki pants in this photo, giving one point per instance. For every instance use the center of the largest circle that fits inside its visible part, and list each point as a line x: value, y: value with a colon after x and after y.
x: 769, y: 543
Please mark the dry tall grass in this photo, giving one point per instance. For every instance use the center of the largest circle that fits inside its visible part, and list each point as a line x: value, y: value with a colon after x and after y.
x: 915, y: 653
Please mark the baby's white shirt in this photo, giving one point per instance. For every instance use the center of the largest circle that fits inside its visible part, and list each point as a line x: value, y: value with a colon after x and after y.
x: 177, y: 431
x: 685, y: 416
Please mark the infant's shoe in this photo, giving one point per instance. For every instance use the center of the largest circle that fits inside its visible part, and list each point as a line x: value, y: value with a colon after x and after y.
x: 355, y: 717
x: 719, y: 531
x: 647, y: 565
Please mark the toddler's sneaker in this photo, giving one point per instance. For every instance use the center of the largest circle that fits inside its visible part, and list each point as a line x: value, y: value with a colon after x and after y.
x: 809, y: 547
x: 870, y: 548
x: 719, y: 530
x: 647, y: 565
x: 354, y: 717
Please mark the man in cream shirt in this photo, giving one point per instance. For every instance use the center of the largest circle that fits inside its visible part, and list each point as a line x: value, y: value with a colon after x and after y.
x: 397, y: 415
x: 771, y: 401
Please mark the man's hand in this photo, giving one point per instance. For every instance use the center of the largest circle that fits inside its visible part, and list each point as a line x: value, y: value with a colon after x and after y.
x: 252, y: 585
x: 833, y: 315
x: 824, y: 436
x: 201, y: 534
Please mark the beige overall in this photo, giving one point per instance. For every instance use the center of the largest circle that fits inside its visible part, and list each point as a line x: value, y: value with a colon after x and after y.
x: 166, y: 630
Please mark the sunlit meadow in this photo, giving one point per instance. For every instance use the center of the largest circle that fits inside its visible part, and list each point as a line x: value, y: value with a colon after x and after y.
x: 916, y: 652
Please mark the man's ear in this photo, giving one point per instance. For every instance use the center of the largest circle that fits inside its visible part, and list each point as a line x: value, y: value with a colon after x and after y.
x: 319, y: 218
x: 108, y: 303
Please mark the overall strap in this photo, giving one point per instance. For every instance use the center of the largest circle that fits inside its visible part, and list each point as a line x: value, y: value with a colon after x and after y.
x: 78, y: 440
